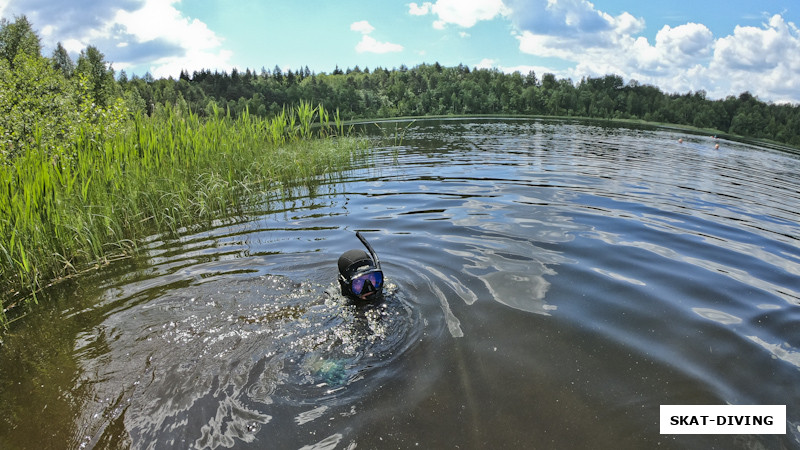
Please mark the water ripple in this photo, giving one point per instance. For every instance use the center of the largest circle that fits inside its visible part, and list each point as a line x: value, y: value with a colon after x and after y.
x: 546, y: 279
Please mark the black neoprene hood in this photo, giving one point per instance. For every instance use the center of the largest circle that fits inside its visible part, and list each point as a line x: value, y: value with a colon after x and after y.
x: 354, y: 261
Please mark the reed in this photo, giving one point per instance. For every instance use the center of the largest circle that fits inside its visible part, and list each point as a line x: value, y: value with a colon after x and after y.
x: 73, y: 208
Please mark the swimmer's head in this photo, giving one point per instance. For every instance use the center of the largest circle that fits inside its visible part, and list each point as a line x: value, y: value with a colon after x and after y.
x: 360, y: 276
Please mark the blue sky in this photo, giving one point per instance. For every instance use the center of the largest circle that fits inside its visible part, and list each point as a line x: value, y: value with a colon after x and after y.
x: 722, y: 47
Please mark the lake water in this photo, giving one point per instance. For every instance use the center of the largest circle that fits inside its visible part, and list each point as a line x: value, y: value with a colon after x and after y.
x: 550, y: 285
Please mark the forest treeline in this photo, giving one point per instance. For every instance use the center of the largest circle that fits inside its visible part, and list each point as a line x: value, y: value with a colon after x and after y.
x: 431, y: 89
x: 45, y: 98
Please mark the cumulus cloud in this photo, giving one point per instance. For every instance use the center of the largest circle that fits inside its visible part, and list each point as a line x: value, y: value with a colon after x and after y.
x: 158, y: 19
x: 688, y: 57
x: 757, y: 49
x: 78, y: 19
x: 464, y: 13
x: 362, y: 27
x: 129, y: 32
x: 487, y: 63
x: 368, y: 44
x: 568, y: 29
x: 419, y: 10
x: 160, y: 25
x: 685, y: 41
x: 760, y: 60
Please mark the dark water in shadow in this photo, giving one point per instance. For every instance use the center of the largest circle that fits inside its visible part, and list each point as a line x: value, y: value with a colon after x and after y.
x: 550, y: 285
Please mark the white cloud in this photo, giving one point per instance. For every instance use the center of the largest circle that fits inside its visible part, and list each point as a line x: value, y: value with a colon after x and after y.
x: 762, y: 60
x: 688, y: 57
x: 131, y: 33
x: 464, y: 13
x: 192, y: 61
x: 567, y: 17
x: 569, y: 29
x: 362, y: 27
x: 684, y: 43
x: 419, y: 10
x: 674, y: 63
x: 73, y: 45
x: 523, y: 69
x: 757, y: 49
x: 368, y: 44
x: 158, y: 20
x: 486, y: 63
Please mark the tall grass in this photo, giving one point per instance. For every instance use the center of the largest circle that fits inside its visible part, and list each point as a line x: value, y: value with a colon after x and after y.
x: 92, y: 200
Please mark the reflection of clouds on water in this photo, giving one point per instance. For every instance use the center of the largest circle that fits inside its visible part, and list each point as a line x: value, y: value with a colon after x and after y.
x: 513, y: 274
x: 512, y: 218
x: 520, y: 290
x: 782, y: 352
x: 453, y: 324
x: 329, y: 443
x: 619, y: 277
x: 308, y: 416
x: 717, y: 316
x: 233, y: 421
x: 464, y: 292
x: 791, y: 296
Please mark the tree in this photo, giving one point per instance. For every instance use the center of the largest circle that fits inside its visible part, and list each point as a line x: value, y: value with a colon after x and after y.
x: 35, y: 105
x: 18, y: 38
x: 62, y: 62
x: 530, y: 79
x: 100, y: 78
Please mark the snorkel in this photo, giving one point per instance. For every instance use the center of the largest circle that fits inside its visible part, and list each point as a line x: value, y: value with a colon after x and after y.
x: 369, y: 247
x: 360, y: 275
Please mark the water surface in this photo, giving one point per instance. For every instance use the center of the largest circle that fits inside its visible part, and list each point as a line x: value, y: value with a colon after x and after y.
x: 551, y: 284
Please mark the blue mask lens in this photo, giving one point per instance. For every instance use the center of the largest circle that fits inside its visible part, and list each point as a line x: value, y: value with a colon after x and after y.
x: 358, y: 283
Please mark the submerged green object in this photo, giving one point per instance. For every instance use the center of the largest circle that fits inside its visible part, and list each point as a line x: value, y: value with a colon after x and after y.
x: 332, y: 373
x: 329, y: 371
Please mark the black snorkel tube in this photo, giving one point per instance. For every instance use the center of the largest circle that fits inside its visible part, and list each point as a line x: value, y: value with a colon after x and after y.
x: 371, y: 251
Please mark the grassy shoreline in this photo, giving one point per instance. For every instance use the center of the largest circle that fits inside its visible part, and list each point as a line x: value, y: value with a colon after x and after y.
x: 72, y: 209
x: 92, y: 201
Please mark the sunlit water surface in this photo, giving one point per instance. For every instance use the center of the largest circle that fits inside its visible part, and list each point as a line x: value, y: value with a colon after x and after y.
x: 550, y: 284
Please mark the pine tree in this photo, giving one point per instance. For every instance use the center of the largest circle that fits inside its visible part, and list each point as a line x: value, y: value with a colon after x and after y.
x: 62, y: 62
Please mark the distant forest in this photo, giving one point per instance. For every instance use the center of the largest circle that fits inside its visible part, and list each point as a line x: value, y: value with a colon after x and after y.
x: 49, y: 95
x: 432, y: 89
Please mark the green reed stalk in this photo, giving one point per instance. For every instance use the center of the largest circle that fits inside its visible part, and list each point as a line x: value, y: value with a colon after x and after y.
x: 91, y: 200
